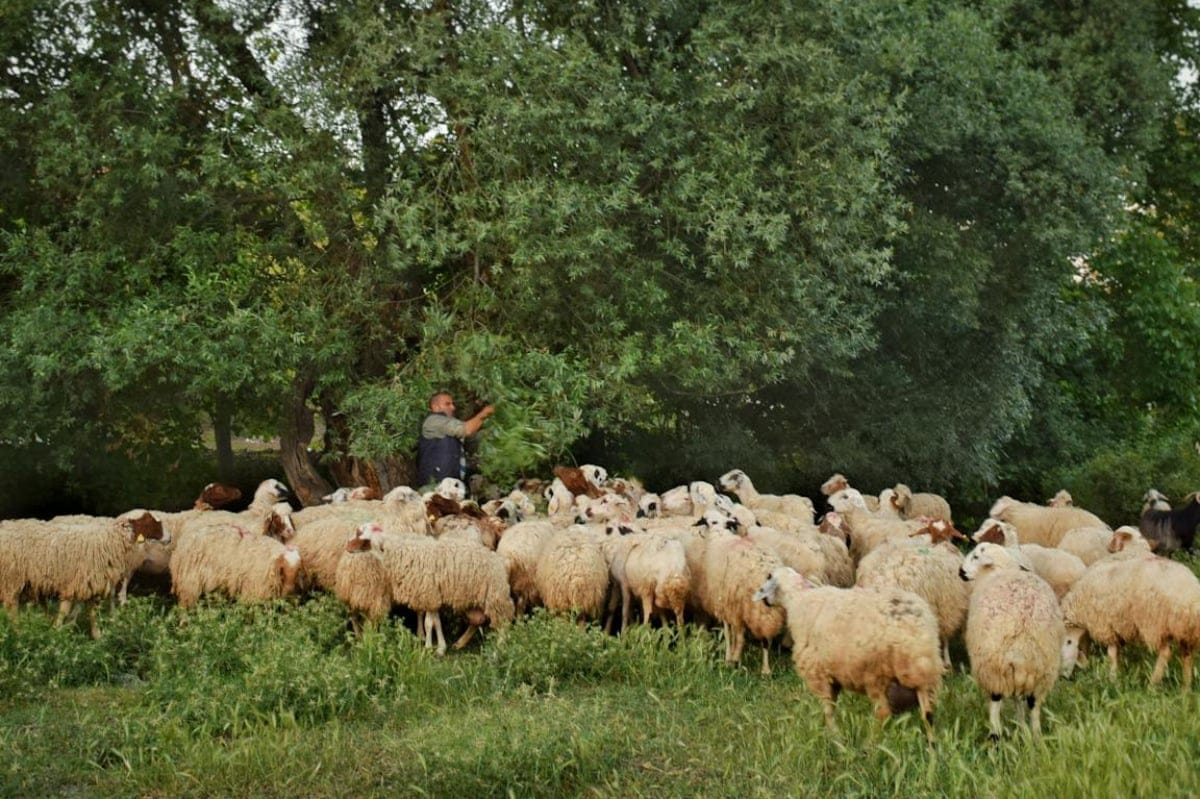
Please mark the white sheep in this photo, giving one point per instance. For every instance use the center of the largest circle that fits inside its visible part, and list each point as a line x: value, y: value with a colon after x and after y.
x: 920, y: 504
x: 1041, y: 524
x: 1059, y: 568
x: 520, y: 548
x: 1147, y: 598
x: 73, y: 562
x: 927, y: 569
x: 881, y: 642
x: 572, y: 574
x: 1089, y: 544
x: 740, y: 484
x: 818, y: 557
x: 652, y: 568
x: 425, y: 575
x: 838, y: 482
x: 243, y: 566
x: 734, y: 567
x: 864, y: 529
x: 269, y: 497
x: 1014, y: 633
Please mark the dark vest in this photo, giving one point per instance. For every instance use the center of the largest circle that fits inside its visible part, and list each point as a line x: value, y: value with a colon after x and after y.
x: 438, y: 458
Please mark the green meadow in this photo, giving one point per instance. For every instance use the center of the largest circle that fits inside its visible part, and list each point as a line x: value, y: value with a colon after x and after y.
x: 283, y: 700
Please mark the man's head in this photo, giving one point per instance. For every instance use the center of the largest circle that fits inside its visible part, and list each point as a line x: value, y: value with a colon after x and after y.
x: 442, y: 402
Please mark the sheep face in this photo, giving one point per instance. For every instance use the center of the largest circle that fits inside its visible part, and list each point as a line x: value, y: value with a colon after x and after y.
x: 596, y: 475
x: 272, y: 491
x: 278, y: 524
x: 452, y: 488
x: 1070, y: 649
x: 733, y: 480
x: 649, y: 506
x: 846, y: 500
x: 984, y: 558
x: 146, y: 528
x: 714, y: 520
x: 767, y: 592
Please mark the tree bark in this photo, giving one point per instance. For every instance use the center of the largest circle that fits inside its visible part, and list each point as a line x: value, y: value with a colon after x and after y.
x: 295, y: 437
x: 222, y: 421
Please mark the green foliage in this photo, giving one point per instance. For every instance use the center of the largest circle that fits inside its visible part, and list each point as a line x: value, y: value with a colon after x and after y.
x: 844, y: 234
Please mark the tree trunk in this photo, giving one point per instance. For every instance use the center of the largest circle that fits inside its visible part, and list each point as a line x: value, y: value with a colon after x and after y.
x: 294, y: 439
x: 222, y: 421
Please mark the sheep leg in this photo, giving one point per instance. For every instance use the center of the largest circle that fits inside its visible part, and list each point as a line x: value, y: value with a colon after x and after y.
x: 994, y: 725
x: 925, y: 700
x: 828, y: 693
x: 728, y: 641
x: 946, y: 653
x: 64, y: 607
x: 737, y: 644
x: 437, y: 625
x: 766, y: 663
x: 1112, y: 661
x: 1160, y: 666
x: 647, y: 609
x: 1186, y: 655
x: 93, y: 627
x: 466, y: 637
x: 1035, y: 715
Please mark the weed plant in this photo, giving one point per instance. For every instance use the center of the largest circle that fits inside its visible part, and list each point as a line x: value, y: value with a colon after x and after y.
x: 283, y: 700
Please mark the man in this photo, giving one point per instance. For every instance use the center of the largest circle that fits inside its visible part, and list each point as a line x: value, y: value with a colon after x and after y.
x: 440, y: 447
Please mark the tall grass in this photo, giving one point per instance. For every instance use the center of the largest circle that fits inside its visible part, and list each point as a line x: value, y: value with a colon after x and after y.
x: 281, y: 700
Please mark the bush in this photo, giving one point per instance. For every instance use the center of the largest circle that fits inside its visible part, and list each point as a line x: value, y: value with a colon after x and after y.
x: 1111, y: 483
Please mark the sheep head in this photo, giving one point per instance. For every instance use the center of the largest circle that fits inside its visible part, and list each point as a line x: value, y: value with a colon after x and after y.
x: 733, y: 480
x: 145, y: 527
x: 941, y: 531
x: 278, y: 523
x: 596, y: 475
x: 985, y: 558
x: 271, y: 491
x: 216, y: 495
x: 452, y: 488
x: 649, y: 506
x: 847, y: 499
x: 834, y: 484
x: 575, y: 480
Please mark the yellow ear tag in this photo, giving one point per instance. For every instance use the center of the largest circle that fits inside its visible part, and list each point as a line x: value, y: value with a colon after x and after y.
x: 141, y: 539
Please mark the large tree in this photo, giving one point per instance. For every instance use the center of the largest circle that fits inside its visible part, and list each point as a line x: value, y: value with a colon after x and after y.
x: 816, y: 235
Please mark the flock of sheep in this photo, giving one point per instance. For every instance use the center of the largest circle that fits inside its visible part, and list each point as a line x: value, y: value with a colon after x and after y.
x: 867, y: 600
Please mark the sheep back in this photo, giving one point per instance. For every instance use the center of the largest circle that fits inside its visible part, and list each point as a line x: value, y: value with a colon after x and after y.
x: 1014, y: 634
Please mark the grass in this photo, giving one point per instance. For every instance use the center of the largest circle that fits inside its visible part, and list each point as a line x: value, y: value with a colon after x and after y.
x: 282, y: 701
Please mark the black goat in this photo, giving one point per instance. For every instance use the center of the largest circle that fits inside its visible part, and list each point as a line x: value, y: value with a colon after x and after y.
x: 1171, y: 530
